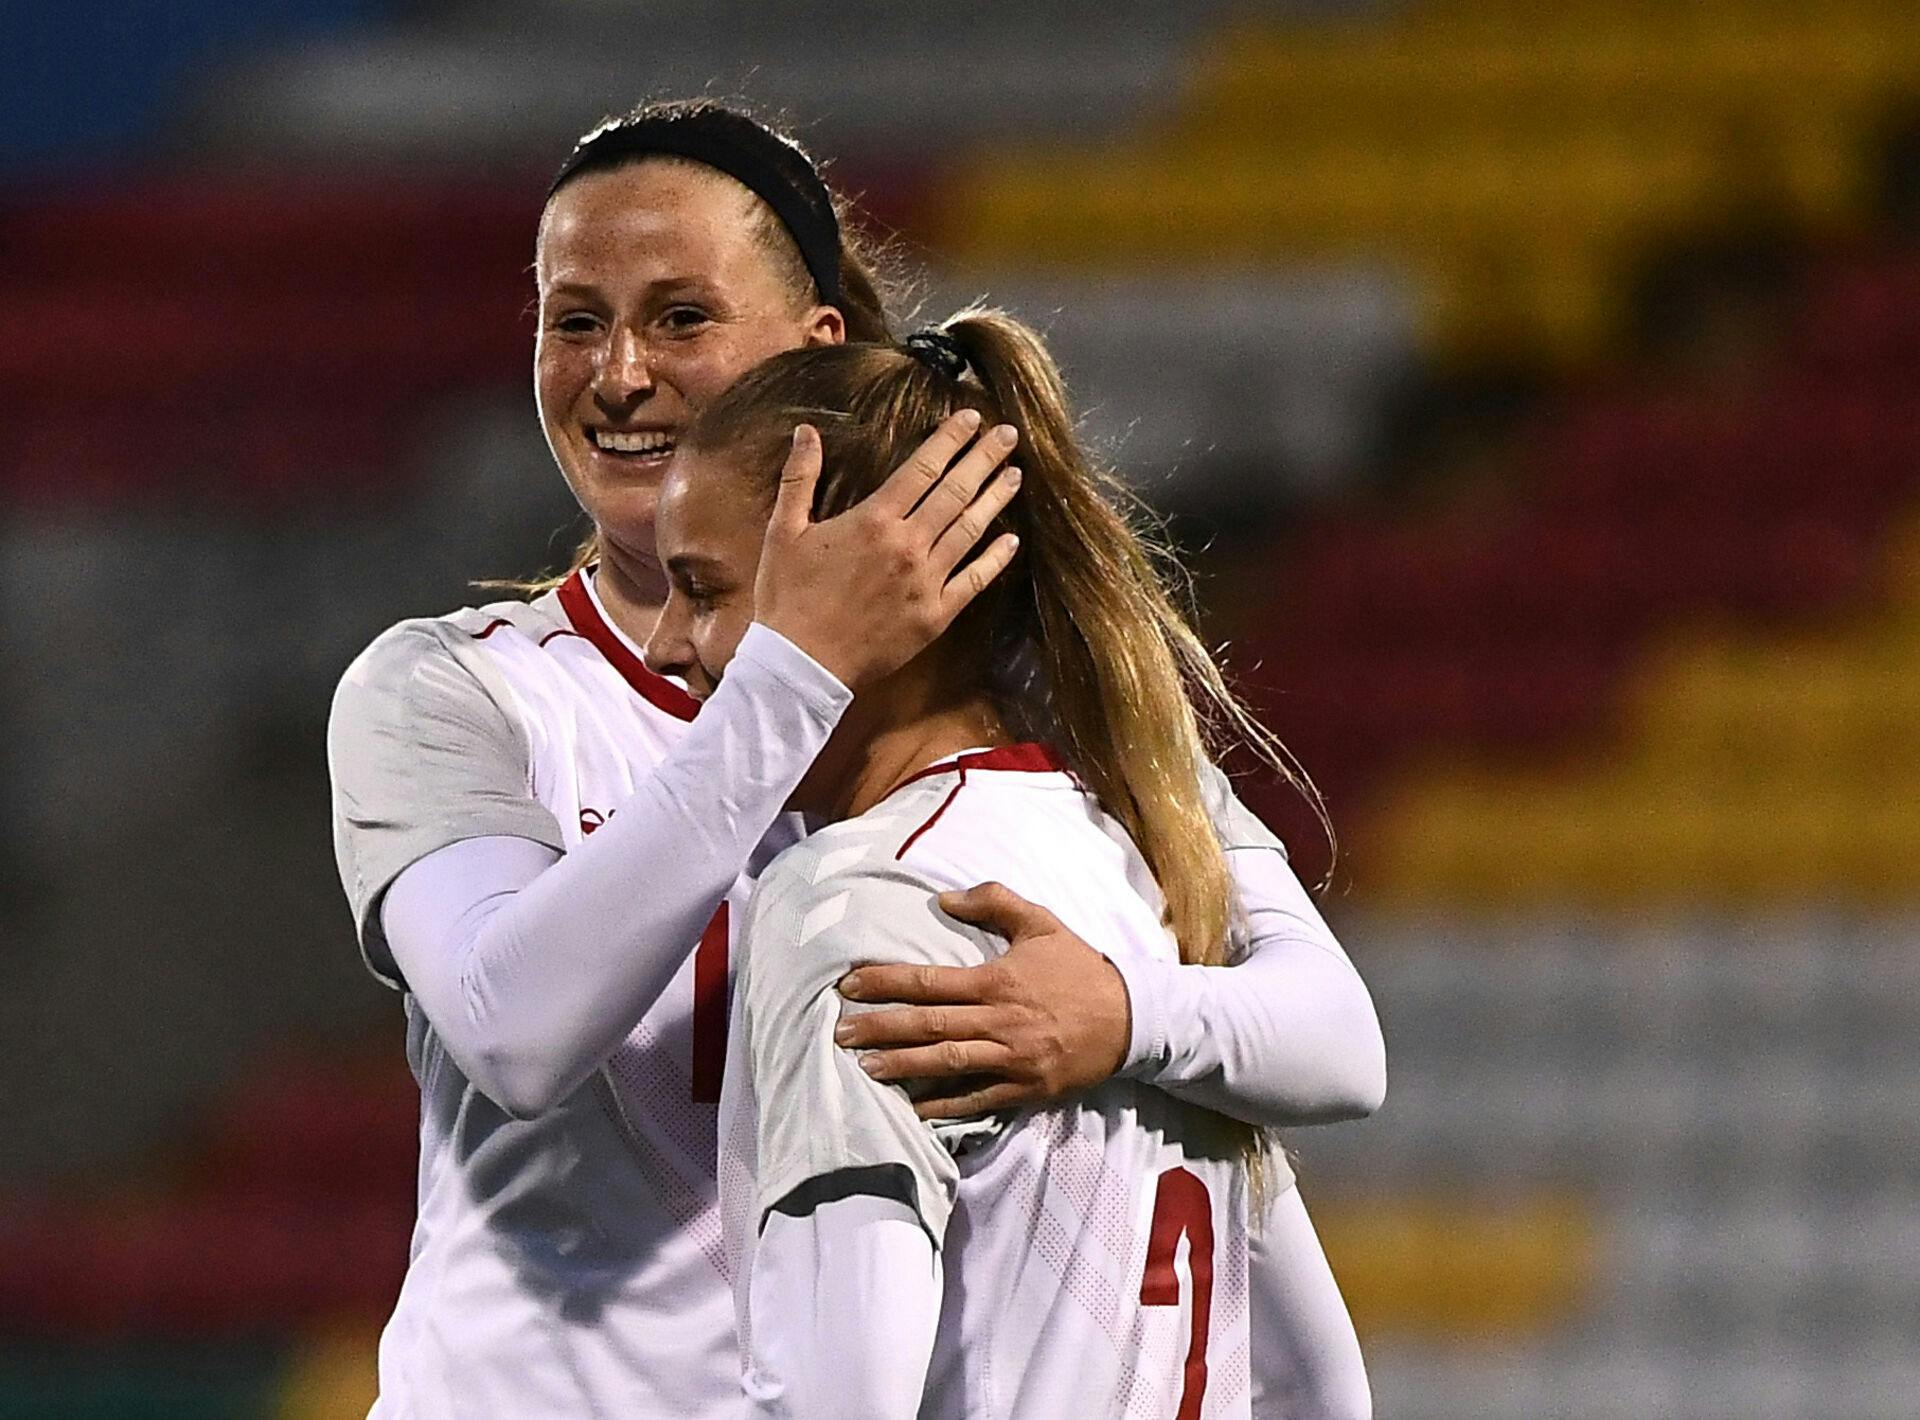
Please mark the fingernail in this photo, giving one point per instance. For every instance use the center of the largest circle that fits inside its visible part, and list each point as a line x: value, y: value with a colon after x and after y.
x: 870, y: 1064
x: 968, y: 417
x: 1006, y: 434
x: 842, y: 1033
x: 850, y: 984
x: 1012, y: 475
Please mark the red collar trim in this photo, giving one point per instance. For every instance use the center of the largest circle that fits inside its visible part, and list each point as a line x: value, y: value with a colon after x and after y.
x: 1031, y: 758
x: 1022, y: 758
x: 657, y: 690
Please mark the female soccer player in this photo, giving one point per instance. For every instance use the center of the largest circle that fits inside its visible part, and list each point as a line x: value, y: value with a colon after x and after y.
x: 538, y: 840
x: 1056, y: 1231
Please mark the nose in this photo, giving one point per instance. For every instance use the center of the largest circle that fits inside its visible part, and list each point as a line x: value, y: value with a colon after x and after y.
x: 669, y: 650
x: 625, y: 373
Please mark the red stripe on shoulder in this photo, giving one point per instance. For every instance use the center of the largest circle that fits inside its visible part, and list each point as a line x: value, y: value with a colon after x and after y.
x: 657, y: 690
x: 1020, y: 758
x: 552, y: 635
x: 933, y: 818
x: 489, y: 628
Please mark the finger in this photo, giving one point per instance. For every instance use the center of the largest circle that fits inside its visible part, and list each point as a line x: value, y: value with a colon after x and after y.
x: 793, y: 505
x: 986, y: 1100
x: 966, y: 530
x: 908, y: 484
x: 974, y: 578
x: 998, y: 908
x: 917, y: 1025
x: 939, y: 1062
x: 921, y: 985
x: 954, y: 492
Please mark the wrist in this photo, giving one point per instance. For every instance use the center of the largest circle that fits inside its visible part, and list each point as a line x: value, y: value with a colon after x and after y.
x: 1147, y: 1051
x: 816, y: 683
x: 799, y: 633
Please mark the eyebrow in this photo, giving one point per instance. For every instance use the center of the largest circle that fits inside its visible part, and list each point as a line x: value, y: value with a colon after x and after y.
x: 663, y: 286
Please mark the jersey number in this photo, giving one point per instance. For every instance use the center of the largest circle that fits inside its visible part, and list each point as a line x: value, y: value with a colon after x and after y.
x: 1181, y: 1205
x: 710, y: 1009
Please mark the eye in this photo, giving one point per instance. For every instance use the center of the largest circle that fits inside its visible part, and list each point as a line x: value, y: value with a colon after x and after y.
x: 574, y: 323
x: 685, y: 319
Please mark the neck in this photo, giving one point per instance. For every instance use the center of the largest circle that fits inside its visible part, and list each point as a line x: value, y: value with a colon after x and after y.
x: 632, y: 589
x: 896, y: 753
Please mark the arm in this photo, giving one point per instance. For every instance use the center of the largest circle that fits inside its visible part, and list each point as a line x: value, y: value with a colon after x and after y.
x: 1306, y: 1357
x: 1287, y: 1036
x: 852, y: 1191
x: 533, y: 965
x: 843, y: 1304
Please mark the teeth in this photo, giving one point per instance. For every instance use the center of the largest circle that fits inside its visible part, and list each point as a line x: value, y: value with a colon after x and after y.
x: 650, y: 441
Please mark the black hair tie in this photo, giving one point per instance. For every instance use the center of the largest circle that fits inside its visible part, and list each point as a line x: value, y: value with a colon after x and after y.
x: 938, y: 351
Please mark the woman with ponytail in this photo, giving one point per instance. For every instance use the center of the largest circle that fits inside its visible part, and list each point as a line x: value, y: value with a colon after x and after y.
x: 1055, y: 739
x: 539, y: 840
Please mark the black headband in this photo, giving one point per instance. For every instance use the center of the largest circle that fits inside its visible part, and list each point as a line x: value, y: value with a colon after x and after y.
x: 773, y: 168
x: 938, y: 351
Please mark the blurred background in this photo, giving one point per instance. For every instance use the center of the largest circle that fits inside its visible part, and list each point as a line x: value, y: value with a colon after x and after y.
x: 1531, y: 386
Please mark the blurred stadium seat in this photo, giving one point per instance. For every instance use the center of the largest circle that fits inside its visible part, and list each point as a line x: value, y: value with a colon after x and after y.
x: 1539, y: 387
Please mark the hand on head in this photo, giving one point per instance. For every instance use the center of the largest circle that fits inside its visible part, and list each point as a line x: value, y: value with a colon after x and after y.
x: 865, y: 592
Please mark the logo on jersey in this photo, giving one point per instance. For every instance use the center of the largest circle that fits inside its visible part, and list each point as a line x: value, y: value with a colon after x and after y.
x: 590, y: 819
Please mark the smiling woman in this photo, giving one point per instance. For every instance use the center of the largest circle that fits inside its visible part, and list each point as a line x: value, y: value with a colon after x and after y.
x: 681, y: 245
x: 540, y: 837
x: 654, y: 292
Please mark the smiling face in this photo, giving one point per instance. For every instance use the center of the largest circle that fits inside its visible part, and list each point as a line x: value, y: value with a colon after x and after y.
x: 657, y: 290
x: 711, y: 524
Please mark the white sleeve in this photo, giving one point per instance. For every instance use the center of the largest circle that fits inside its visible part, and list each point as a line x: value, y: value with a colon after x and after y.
x: 533, y: 966
x: 843, y: 1305
x: 421, y: 754
x: 1306, y: 1357
x: 827, y: 1127
x: 1286, y: 1036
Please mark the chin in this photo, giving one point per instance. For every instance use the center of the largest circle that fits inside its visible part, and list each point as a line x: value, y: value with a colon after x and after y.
x: 626, y: 515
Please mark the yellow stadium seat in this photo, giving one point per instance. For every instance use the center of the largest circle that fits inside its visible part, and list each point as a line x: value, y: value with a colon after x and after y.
x: 1460, y: 138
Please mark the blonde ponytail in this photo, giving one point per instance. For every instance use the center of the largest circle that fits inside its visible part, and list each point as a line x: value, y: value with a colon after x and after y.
x: 1130, y: 691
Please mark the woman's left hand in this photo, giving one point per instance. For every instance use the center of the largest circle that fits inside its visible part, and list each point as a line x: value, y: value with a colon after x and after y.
x: 1047, y: 1017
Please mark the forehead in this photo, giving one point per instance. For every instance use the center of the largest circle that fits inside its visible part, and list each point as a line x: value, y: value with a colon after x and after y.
x: 653, y: 219
x: 707, y: 507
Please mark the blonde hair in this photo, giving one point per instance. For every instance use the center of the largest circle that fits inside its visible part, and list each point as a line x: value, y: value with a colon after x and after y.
x: 1089, y: 604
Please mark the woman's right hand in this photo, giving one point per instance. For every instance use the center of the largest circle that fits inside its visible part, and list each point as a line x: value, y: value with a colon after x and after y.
x: 865, y: 592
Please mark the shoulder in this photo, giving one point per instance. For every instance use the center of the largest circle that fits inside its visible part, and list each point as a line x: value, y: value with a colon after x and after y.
x: 399, y: 651
x: 404, y: 656
x: 851, y: 858
x: 842, y: 895
x: 1237, y: 825
x: 429, y: 671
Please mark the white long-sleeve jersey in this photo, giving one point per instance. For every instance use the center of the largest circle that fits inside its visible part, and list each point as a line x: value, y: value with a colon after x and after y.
x: 567, y: 1258
x: 1093, y: 1256
x: 534, y: 834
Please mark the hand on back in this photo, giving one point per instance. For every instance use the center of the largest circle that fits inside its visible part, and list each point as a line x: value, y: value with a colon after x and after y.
x: 865, y: 592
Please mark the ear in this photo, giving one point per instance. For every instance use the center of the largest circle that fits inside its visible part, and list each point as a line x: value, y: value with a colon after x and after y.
x: 826, y: 326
